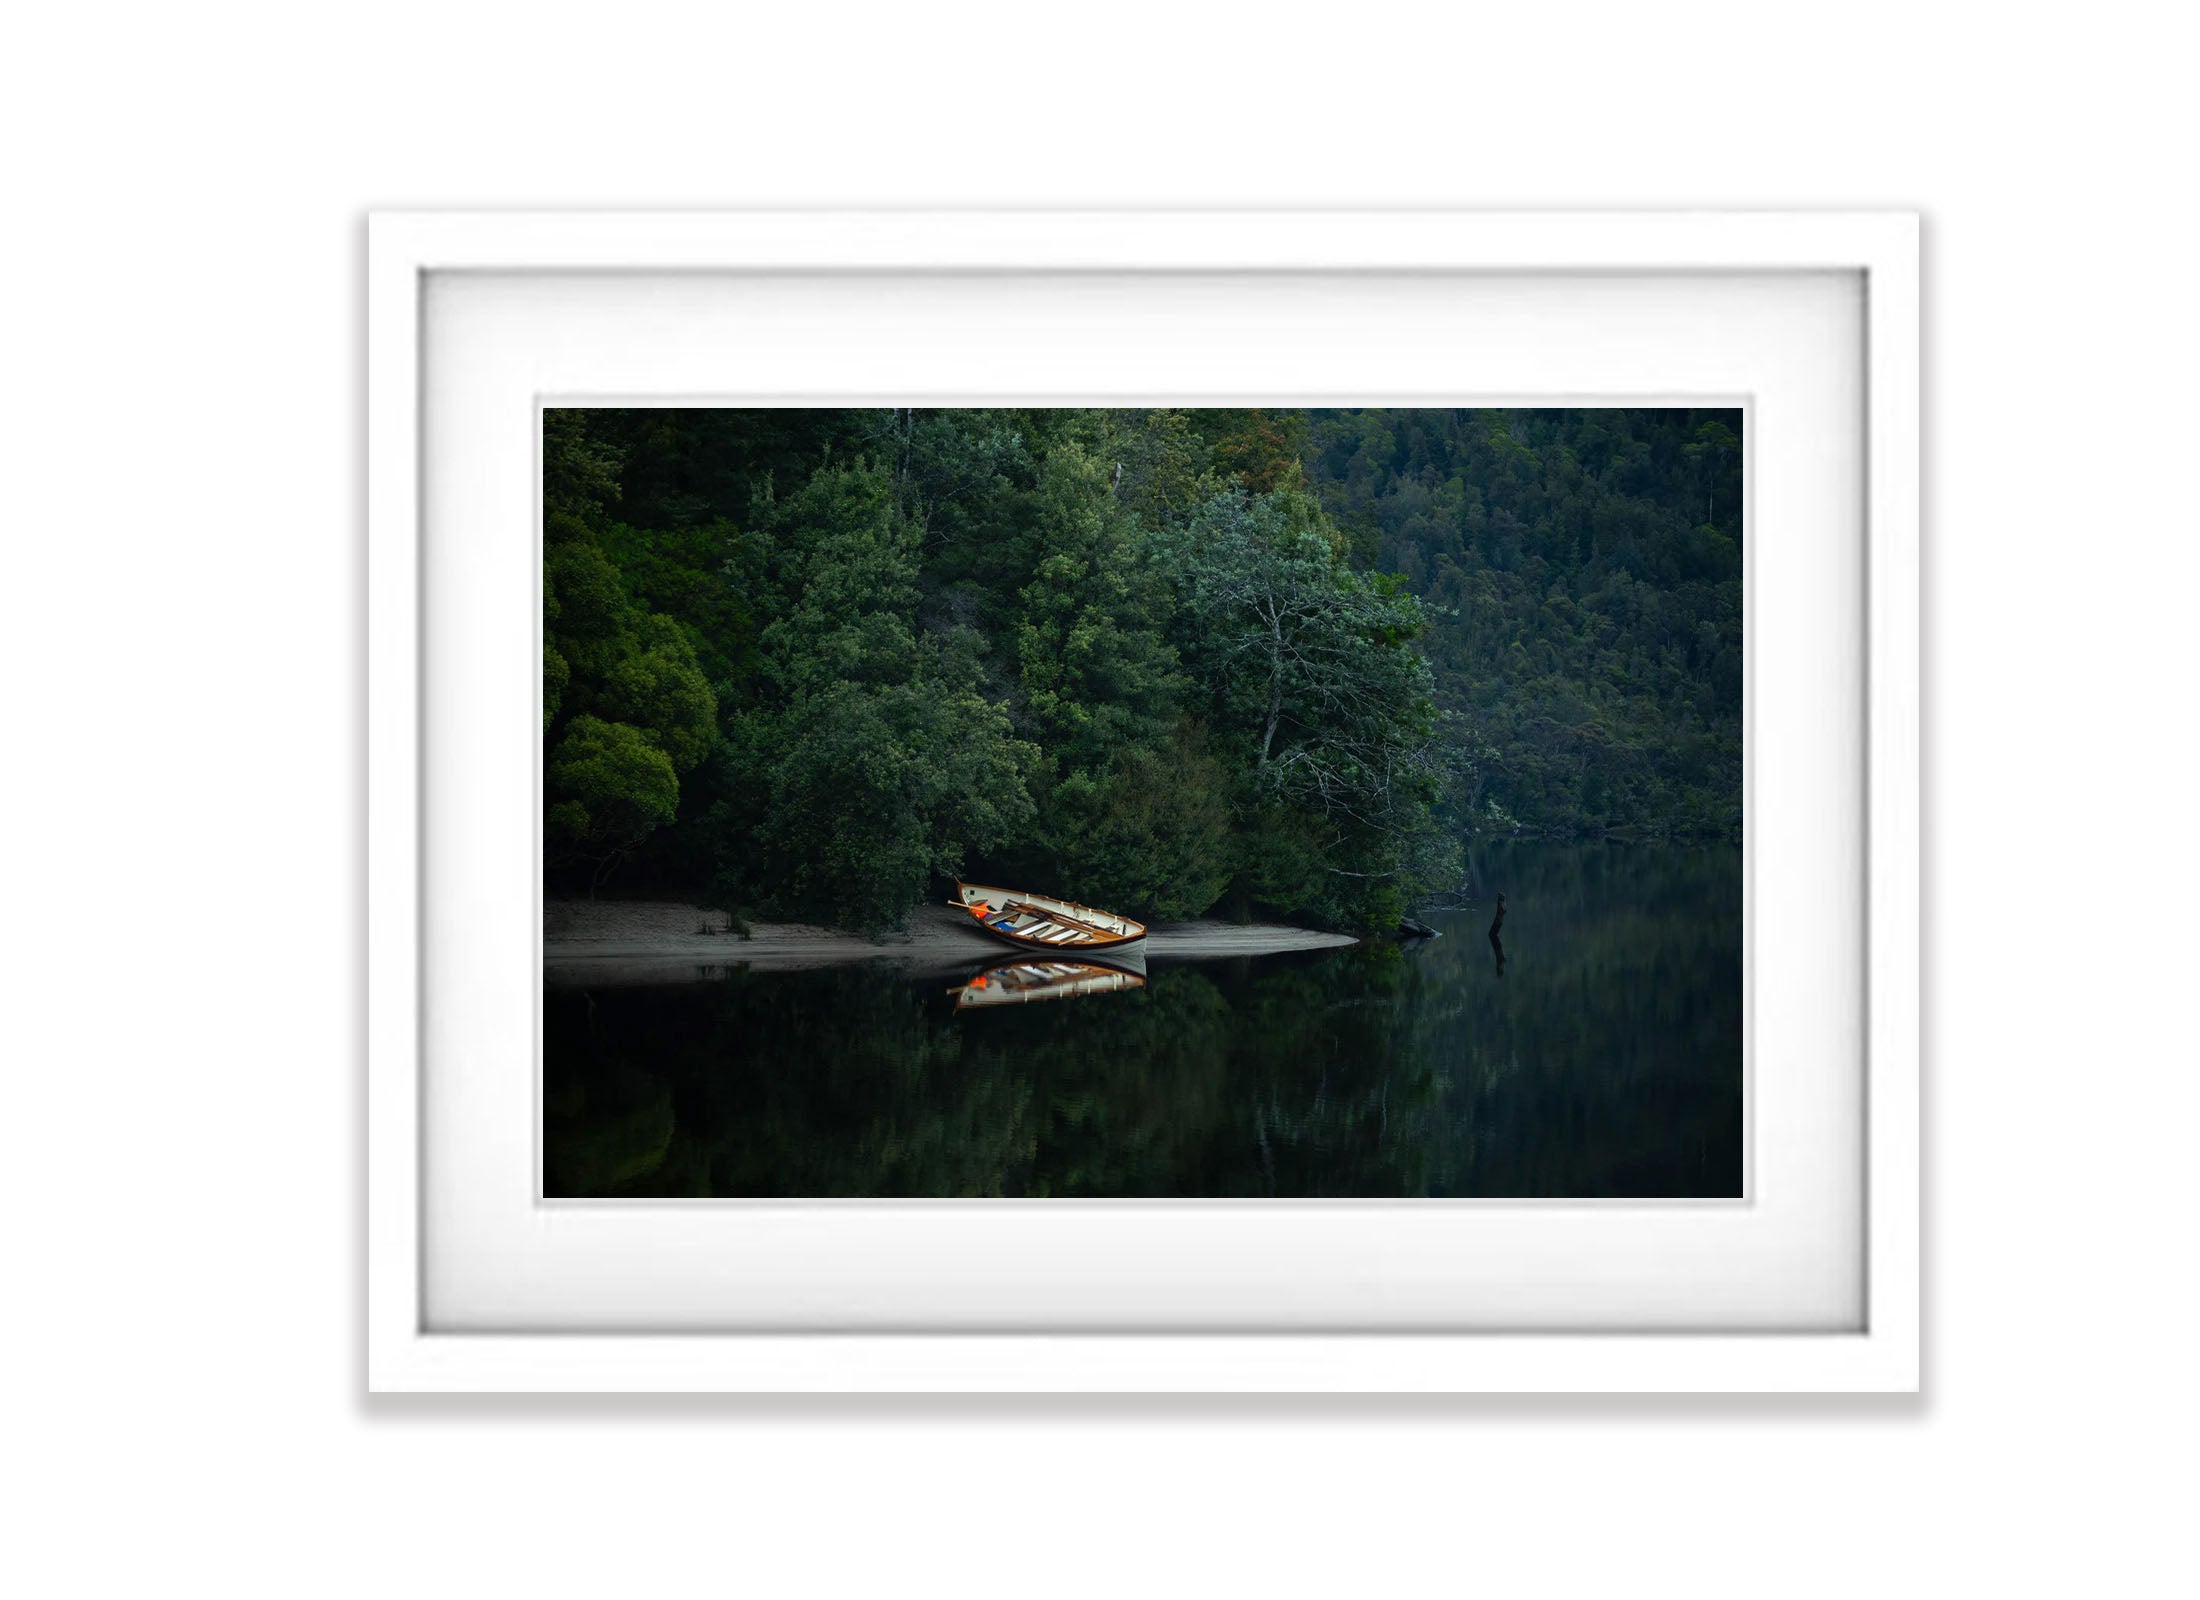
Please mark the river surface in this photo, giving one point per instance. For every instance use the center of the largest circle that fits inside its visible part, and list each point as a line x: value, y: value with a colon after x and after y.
x: 1596, y: 1053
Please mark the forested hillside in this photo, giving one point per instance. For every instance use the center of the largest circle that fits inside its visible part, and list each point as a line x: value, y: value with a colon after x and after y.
x: 1583, y: 571
x: 806, y: 663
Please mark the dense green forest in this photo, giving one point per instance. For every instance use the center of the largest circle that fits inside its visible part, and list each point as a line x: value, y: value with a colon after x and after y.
x: 807, y: 662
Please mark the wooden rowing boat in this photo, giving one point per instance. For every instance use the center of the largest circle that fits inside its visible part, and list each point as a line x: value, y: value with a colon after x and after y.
x: 1021, y: 982
x: 1041, y: 922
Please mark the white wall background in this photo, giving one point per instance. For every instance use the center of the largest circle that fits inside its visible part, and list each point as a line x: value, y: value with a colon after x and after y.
x: 180, y: 425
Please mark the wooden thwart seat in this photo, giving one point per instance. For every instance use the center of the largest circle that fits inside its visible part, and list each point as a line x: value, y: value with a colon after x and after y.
x: 1061, y: 919
x: 1054, y: 935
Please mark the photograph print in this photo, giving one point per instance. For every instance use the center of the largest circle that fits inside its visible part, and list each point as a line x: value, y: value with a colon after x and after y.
x: 1142, y: 803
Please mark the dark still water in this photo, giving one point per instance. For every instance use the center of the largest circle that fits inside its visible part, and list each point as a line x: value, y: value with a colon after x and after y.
x: 1602, y: 1056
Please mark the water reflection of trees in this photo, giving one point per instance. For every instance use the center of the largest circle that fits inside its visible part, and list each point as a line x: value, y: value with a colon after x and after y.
x: 1605, y: 1062
x: 855, y: 1083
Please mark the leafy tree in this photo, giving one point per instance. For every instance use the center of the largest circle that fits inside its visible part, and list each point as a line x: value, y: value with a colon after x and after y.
x: 1131, y: 806
x: 876, y: 760
x: 1313, y: 666
x: 1162, y: 466
x: 1260, y: 450
x: 626, y: 708
x: 1097, y: 673
x: 609, y: 787
x: 657, y: 686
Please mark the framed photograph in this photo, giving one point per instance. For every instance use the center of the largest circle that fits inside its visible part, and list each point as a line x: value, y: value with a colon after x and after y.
x: 1143, y: 801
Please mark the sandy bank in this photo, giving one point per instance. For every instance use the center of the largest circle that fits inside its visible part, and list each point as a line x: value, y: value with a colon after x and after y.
x: 603, y: 941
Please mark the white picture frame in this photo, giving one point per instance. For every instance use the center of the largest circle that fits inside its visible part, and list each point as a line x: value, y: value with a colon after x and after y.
x: 407, y: 1351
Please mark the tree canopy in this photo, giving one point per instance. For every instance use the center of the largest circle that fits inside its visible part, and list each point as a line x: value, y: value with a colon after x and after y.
x: 810, y: 662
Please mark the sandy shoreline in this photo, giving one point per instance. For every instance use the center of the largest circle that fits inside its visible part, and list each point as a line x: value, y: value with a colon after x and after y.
x: 603, y: 941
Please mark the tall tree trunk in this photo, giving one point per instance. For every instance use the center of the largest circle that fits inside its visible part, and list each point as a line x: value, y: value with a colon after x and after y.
x: 1275, y: 691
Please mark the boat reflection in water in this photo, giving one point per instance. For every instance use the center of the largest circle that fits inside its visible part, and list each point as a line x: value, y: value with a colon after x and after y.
x: 1020, y: 982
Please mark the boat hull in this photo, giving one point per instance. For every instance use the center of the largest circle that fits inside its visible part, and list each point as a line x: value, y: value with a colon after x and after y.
x: 1023, y: 982
x: 1042, y: 923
